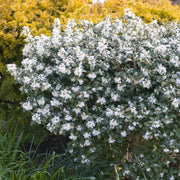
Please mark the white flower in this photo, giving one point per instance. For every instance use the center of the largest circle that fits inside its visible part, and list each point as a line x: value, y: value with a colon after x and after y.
x: 27, y: 106
x: 101, y: 100
x: 79, y: 128
x: 71, y: 151
x: 128, y: 80
x: 92, y: 75
x: 76, y: 89
x: 66, y: 127
x: 55, y: 93
x: 126, y: 172
x: 78, y: 70
x: 133, y: 110
x: 135, y: 123
x: 80, y: 81
x: 55, y: 120
x: 81, y: 55
x: 85, y: 94
x: 141, y: 155
x: 91, y: 61
x: 161, y: 69
x: 113, y: 123
x: 12, y: 68
x: 81, y: 104
x: 120, y: 87
x: 90, y: 124
x: 26, y: 31
x: 166, y: 150
x: 178, y: 81
x: 39, y: 67
x: 147, y: 135
x: 111, y: 140
x: 48, y: 71
x: 62, y: 53
x: 95, y: 132
x: 161, y: 49
x: 123, y: 134
x: 37, y: 118
x: 41, y: 77
x: 175, y: 102
x: 84, y: 116
x: 172, y: 178
x: 176, y: 151
x: 167, y: 163
x: 68, y: 118
x: 72, y: 137
x: 41, y: 101
x: 109, y: 112
x: 45, y: 86
x: 117, y: 80
x: 57, y: 24
x: 65, y: 94
x: 104, y: 80
x: 156, y: 124
x: 50, y: 127
x: 114, y: 97
x: 175, y: 61
x: 137, y: 178
x: 171, y: 142
x: 99, y: 120
x: 145, y: 72
x: 77, y: 110
x: 85, y: 161
x: 86, y: 135
x: 54, y: 102
x: 152, y: 99
x: 102, y: 45
x: 146, y: 83
x: 62, y: 68
x: 87, y: 142
x: 26, y: 80
x: 35, y: 85
x: 161, y: 174
x: 131, y: 128
x: 127, y: 12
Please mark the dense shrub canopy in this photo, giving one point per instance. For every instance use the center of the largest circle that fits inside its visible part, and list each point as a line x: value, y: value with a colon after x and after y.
x: 40, y: 14
x: 113, y: 88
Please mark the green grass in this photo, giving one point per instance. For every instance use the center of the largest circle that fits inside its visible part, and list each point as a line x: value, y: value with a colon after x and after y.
x: 19, y: 163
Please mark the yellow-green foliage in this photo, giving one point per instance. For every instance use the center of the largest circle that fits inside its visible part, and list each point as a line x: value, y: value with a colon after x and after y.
x: 14, y: 14
x: 162, y: 10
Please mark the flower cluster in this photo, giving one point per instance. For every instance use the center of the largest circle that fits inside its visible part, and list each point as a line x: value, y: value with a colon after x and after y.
x: 113, y: 88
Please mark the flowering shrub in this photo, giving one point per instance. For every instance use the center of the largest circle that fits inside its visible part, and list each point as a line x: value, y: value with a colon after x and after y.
x: 113, y: 88
x: 40, y: 14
